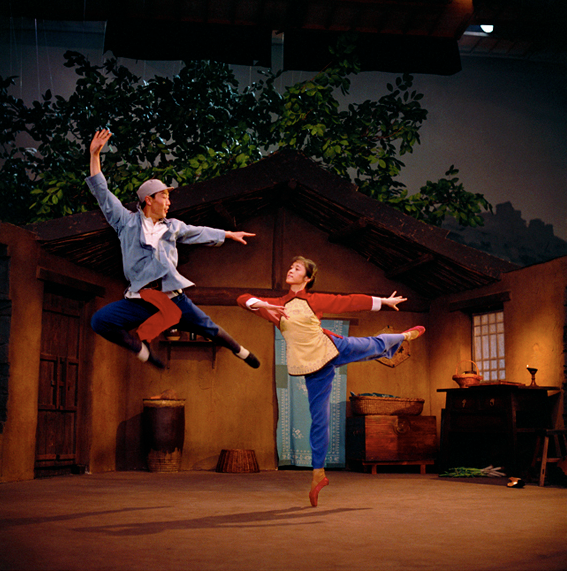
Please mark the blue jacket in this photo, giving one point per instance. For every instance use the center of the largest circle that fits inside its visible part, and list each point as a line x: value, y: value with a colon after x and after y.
x: 141, y: 262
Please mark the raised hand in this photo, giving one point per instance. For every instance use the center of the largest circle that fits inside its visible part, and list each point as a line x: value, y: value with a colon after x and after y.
x: 99, y: 140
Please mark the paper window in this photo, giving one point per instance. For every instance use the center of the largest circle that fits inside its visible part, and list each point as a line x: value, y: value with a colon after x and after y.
x: 488, y: 345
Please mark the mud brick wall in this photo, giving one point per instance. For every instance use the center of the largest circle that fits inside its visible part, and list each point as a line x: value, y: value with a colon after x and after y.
x: 5, y: 317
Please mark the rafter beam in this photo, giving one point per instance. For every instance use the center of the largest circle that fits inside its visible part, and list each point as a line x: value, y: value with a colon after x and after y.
x: 225, y: 216
x: 348, y: 233
x: 405, y: 268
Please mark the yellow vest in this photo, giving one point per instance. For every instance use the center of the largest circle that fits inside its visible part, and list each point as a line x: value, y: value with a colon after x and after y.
x: 308, y: 349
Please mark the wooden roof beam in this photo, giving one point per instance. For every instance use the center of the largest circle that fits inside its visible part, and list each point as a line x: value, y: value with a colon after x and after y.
x: 227, y: 218
x: 405, y: 268
x: 348, y: 233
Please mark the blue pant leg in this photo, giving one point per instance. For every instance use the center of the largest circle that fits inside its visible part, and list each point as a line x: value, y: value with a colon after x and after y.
x: 356, y: 349
x: 194, y: 318
x: 115, y: 320
x: 319, y: 386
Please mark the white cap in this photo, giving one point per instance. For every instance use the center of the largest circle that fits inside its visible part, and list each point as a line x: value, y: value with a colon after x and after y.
x: 151, y: 187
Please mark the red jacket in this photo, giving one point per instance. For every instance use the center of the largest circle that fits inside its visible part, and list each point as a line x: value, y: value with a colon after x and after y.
x: 320, y: 303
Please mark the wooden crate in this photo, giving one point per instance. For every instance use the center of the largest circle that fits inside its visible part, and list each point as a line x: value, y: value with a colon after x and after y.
x: 391, y: 439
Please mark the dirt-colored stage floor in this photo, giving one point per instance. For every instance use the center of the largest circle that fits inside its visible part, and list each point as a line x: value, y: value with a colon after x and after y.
x: 205, y: 520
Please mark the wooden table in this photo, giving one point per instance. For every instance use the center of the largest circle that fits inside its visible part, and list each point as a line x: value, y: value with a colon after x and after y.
x: 493, y: 425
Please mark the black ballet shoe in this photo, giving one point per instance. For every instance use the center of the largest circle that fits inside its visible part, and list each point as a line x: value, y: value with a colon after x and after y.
x: 252, y: 360
x: 152, y: 359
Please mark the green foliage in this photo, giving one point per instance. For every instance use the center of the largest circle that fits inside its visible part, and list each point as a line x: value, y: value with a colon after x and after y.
x: 199, y: 125
x: 362, y: 141
x: 190, y: 127
x: 445, y: 197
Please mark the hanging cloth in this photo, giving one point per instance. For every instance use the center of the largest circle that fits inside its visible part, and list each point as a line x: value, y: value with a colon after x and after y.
x: 294, y: 420
x: 167, y: 316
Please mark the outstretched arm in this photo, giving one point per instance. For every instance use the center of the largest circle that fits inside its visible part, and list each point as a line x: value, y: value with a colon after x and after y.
x: 238, y: 236
x: 99, y: 140
x: 111, y: 207
x: 333, y: 303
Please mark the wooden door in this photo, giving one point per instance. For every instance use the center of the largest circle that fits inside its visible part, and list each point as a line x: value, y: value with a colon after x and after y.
x: 59, y: 378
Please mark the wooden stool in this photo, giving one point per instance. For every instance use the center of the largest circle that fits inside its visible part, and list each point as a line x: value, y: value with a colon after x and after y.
x: 237, y: 461
x: 542, y: 447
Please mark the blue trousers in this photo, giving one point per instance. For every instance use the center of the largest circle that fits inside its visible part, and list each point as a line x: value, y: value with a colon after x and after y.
x: 115, y: 320
x: 320, y: 383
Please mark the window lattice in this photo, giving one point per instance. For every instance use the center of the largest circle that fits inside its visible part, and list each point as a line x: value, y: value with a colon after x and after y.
x: 488, y: 345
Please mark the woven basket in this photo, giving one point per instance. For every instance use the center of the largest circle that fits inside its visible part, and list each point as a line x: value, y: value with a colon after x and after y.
x: 363, y: 405
x: 237, y: 460
x: 468, y: 378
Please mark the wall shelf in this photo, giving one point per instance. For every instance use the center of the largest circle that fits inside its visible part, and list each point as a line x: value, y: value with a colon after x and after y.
x: 190, y: 343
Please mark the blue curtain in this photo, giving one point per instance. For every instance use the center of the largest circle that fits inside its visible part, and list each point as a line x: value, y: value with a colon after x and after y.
x: 294, y: 419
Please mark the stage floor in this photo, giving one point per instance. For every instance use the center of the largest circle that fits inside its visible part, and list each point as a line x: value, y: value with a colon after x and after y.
x: 206, y: 520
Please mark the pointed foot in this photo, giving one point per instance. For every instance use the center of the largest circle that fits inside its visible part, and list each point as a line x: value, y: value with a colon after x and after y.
x: 314, y: 493
x: 414, y: 332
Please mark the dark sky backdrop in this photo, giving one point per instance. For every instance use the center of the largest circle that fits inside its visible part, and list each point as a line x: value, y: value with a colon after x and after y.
x: 501, y: 122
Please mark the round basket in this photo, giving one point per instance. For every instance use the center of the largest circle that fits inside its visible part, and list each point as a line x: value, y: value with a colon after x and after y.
x: 237, y: 461
x: 468, y: 378
x: 364, y: 405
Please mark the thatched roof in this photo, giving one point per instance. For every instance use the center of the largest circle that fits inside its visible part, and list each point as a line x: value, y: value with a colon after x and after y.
x: 411, y: 252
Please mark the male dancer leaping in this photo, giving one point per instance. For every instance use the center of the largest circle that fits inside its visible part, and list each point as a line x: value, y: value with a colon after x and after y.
x: 154, y: 299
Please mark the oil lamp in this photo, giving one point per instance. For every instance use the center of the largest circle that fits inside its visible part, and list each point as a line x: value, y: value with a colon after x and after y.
x: 532, y: 372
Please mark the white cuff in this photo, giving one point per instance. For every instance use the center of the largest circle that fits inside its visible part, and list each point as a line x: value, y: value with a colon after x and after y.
x: 251, y: 302
x: 376, y: 303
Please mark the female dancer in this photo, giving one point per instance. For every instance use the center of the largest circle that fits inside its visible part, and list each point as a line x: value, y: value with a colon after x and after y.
x: 316, y: 353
